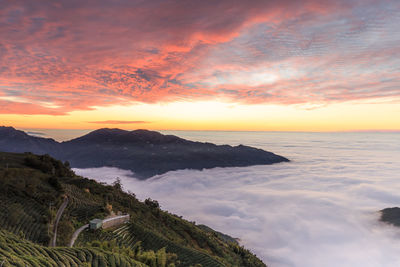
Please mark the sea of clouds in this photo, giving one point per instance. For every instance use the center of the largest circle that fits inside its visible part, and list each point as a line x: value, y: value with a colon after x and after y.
x: 319, y: 210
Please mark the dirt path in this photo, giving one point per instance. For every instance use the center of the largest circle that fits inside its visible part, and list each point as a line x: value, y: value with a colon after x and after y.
x: 58, y: 217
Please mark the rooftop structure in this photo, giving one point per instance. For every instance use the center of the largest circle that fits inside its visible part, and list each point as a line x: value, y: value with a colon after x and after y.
x: 95, y: 224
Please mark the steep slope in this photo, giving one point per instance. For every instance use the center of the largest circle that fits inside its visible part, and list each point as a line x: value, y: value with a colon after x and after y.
x: 32, y: 188
x: 146, y: 153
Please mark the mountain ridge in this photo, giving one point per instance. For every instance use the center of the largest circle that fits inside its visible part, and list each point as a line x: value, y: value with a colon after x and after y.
x: 141, y: 135
x: 146, y: 153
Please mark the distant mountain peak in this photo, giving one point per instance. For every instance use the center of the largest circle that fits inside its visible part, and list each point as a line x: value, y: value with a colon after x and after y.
x: 116, y: 131
x: 13, y: 140
x: 105, y: 131
x: 108, y: 130
x: 11, y: 131
x: 118, y: 136
x: 7, y: 128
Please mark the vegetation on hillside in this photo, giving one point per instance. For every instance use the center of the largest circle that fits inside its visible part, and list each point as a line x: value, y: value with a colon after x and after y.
x: 33, y: 187
x: 15, y: 251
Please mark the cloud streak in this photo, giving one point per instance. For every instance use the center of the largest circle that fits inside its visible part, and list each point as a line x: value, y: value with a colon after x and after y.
x: 77, y: 56
x: 118, y: 122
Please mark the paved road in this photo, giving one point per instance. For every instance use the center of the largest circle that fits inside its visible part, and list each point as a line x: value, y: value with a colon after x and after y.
x: 76, y: 234
x: 58, y: 217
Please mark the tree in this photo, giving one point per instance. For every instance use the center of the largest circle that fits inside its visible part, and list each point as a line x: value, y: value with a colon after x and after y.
x: 117, y: 184
x: 152, y: 203
x: 53, y: 181
x: 67, y: 165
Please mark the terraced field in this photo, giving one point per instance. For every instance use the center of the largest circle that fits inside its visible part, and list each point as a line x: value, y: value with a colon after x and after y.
x: 17, y: 252
x: 128, y: 235
x: 81, y: 206
x: 28, y: 220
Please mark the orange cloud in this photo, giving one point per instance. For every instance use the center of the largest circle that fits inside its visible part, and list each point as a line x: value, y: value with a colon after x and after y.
x: 72, y: 55
x: 118, y: 122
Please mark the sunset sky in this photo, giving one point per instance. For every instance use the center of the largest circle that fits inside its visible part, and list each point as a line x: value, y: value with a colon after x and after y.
x: 283, y: 65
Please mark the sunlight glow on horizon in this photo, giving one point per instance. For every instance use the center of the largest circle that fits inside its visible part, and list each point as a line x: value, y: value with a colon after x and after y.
x: 222, y: 116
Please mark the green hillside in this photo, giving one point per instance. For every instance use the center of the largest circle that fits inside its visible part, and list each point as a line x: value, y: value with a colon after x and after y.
x: 15, y: 251
x: 32, y: 189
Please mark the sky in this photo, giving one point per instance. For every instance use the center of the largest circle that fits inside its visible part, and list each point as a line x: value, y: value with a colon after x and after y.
x: 201, y: 65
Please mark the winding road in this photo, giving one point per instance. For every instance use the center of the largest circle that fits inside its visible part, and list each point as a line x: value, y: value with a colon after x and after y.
x: 58, y: 217
x: 76, y: 234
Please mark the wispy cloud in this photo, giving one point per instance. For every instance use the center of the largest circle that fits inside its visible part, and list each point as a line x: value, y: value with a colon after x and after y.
x: 36, y: 133
x: 118, y: 122
x: 281, y: 52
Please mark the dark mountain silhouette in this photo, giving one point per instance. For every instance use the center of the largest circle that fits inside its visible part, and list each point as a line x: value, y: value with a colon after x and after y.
x: 146, y: 153
x: 391, y: 216
x: 12, y: 140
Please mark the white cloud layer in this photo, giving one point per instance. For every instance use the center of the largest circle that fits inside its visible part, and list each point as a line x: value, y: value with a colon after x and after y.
x: 318, y: 211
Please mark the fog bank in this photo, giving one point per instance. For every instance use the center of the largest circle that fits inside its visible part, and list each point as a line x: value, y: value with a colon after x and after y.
x: 318, y: 210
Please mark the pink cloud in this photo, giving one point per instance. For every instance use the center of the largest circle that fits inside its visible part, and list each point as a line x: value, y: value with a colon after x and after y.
x: 10, y: 107
x: 76, y: 55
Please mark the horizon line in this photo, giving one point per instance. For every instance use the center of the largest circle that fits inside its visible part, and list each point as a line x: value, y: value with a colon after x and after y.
x: 212, y: 130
